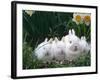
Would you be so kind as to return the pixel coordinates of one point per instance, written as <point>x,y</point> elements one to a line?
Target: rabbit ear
<point>73,32</point>
<point>63,39</point>
<point>51,40</point>
<point>69,32</point>
<point>84,38</point>
<point>56,39</point>
<point>46,39</point>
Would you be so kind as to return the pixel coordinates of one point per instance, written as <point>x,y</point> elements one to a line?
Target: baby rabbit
<point>84,45</point>
<point>60,46</point>
<point>42,51</point>
<point>73,48</point>
<point>53,50</point>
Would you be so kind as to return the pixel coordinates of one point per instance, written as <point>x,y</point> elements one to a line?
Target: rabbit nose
<point>47,54</point>
<point>76,48</point>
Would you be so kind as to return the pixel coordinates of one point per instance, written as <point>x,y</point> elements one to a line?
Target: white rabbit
<point>53,49</point>
<point>84,45</point>
<point>73,49</point>
<point>60,47</point>
<point>76,48</point>
<point>42,51</point>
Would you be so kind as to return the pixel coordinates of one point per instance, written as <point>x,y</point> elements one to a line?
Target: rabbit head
<point>71,37</point>
<point>84,45</point>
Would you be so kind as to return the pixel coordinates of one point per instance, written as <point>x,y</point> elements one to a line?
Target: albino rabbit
<point>53,49</point>
<point>59,51</point>
<point>73,49</point>
<point>42,51</point>
<point>76,48</point>
<point>84,45</point>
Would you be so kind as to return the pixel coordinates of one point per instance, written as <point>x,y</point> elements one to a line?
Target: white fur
<point>58,50</point>
<point>73,51</point>
<point>73,48</point>
<point>42,51</point>
<point>68,48</point>
<point>71,37</point>
<point>84,45</point>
